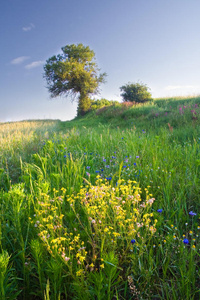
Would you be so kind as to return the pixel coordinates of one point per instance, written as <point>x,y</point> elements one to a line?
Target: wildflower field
<point>102,207</point>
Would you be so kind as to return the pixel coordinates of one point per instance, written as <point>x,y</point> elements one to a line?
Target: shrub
<point>135,92</point>
<point>99,103</point>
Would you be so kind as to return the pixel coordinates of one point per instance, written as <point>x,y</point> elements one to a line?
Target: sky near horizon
<point>156,42</point>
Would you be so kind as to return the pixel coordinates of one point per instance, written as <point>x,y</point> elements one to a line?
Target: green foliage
<point>4,259</point>
<point>8,282</point>
<point>74,72</point>
<point>135,92</point>
<point>99,103</point>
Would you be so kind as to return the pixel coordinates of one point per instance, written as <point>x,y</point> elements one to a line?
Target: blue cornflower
<point>185,241</point>
<point>97,171</point>
<point>133,241</point>
<point>104,159</point>
<point>101,170</point>
<point>124,166</point>
<point>88,167</point>
<point>122,138</point>
<point>137,156</point>
<point>109,178</point>
<point>159,210</point>
<point>65,156</point>
<point>134,164</point>
<point>191,213</point>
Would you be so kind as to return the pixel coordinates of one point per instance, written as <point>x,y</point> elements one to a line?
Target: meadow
<point>105,206</point>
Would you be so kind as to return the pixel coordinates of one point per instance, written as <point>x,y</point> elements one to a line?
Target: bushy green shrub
<point>99,103</point>
<point>135,92</point>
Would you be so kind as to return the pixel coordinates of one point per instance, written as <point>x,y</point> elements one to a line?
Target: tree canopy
<point>135,92</point>
<point>74,73</point>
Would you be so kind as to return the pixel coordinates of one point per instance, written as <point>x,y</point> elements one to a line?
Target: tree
<point>74,73</point>
<point>135,92</point>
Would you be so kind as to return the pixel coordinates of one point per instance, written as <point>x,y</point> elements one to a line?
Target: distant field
<point>102,207</point>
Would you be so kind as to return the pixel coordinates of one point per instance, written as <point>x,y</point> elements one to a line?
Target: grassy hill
<point>178,112</point>
<point>105,206</point>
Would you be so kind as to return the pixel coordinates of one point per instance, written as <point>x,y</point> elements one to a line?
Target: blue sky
<point>153,41</point>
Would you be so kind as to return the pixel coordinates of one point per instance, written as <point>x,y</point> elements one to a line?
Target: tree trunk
<point>84,103</point>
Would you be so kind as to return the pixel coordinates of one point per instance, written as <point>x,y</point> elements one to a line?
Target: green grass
<point>79,204</point>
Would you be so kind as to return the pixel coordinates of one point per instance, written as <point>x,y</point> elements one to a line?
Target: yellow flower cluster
<point>110,219</point>
<point>116,215</point>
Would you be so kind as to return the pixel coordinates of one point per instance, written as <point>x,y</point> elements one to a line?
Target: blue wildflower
<point>185,241</point>
<point>97,171</point>
<point>191,213</point>
<point>88,167</point>
<point>133,241</point>
<point>124,166</point>
<point>134,164</point>
<point>159,210</point>
<point>65,156</point>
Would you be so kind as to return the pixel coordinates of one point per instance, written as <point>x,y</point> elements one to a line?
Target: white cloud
<point>19,60</point>
<point>34,64</point>
<point>28,28</point>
